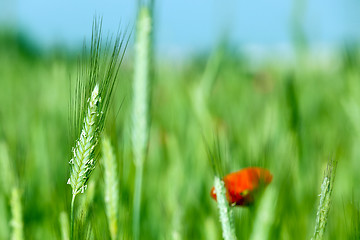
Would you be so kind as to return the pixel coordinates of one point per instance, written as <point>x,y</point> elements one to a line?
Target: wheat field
<point>151,176</point>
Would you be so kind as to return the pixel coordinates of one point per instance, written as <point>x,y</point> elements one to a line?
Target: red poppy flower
<point>242,186</point>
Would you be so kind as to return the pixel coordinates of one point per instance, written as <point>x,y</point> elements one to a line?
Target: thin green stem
<point>72,221</point>
<point>137,200</point>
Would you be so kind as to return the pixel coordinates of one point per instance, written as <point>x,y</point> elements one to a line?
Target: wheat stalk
<point>10,188</point>
<point>16,212</point>
<point>64,226</point>
<point>140,107</point>
<point>265,215</point>
<point>95,84</point>
<point>83,161</point>
<point>111,186</point>
<point>7,175</point>
<point>225,212</point>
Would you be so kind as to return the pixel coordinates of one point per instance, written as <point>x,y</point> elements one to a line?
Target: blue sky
<point>187,25</point>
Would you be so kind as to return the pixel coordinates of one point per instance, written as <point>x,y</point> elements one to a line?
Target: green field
<point>290,117</point>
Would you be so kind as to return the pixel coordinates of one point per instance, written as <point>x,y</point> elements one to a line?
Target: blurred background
<point>277,81</point>
<point>188,27</point>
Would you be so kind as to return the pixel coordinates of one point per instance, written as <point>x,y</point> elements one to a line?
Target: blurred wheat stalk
<point>265,215</point>
<point>64,226</point>
<point>111,186</point>
<point>140,107</point>
<point>10,187</point>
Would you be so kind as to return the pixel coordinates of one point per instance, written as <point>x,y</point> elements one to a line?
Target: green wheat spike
<point>325,200</point>
<point>111,186</point>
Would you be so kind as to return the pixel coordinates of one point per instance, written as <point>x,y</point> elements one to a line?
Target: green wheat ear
<point>225,212</point>
<point>325,200</point>
<point>90,104</point>
<point>111,186</point>
<point>10,187</point>
<point>83,161</point>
